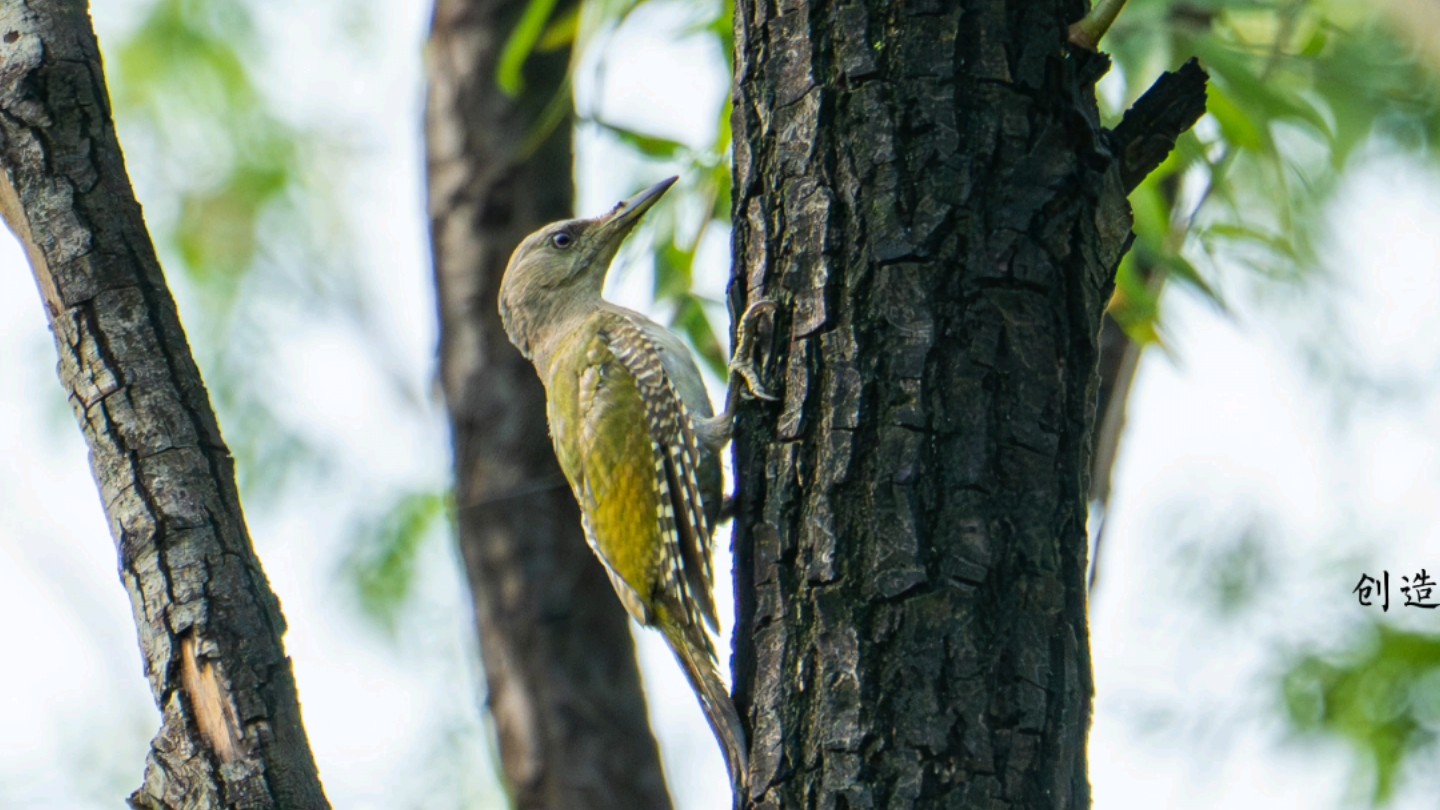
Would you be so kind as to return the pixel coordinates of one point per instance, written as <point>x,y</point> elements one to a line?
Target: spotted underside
<point>627,445</point>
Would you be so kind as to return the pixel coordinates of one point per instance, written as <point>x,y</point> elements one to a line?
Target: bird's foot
<point>741,367</point>
<point>715,431</point>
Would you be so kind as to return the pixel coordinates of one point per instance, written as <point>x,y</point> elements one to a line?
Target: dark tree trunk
<point>559,661</point>
<point>209,626</point>
<point>925,189</point>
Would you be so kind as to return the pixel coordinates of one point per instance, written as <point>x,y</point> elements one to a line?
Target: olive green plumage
<point>632,427</point>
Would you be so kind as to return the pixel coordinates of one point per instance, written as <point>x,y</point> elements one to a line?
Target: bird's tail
<point>698,658</point>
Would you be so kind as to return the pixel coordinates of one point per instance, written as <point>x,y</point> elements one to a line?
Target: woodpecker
<point>633,429</point>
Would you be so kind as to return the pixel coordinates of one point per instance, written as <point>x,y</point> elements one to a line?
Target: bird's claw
<point>746,372</point>
<point>740,365</point>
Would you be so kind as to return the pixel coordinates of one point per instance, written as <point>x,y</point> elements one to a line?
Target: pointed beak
<point>611,229</point>
<point>626,214</point>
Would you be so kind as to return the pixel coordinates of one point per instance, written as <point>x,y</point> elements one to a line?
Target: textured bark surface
<point>926,190</point>
<point>559,662</point>
<point>209,626</point>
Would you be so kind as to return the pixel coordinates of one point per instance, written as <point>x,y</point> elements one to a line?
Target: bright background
<point>1276,449</point>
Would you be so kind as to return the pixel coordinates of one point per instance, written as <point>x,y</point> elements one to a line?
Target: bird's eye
<point>561,240</point>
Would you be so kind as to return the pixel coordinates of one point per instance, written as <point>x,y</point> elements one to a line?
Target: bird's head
<point>557,272</point>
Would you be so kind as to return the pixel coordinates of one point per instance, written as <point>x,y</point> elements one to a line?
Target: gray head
<point>556,274</point>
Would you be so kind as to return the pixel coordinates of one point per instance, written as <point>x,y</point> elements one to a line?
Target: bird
<point>635,435</point>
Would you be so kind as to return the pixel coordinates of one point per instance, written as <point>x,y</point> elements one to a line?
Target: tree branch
<point>1147,133</point>
<point>209,625</point>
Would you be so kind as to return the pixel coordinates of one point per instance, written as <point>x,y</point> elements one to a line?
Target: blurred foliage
<point>1227,559</point>
<point>522,42</point>
<point>1381,693</point>
<point>182,75</point>
<point>384,556</point>
<point>237,210</point>
<point>1298,89</point>
<point>241,203</point>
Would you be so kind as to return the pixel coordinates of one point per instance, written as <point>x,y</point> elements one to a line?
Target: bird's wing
<point>597,422</point>
<point>684,524</point>
<point>685,376</point>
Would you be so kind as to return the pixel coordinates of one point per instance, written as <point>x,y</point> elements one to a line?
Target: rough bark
<point>926,191</point>
<point>209,626</point>
<point>559,661</point>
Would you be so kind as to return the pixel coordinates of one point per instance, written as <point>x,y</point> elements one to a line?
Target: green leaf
<point>1179,267</point>
<point>1377,694</point>
<point>691,321</point>
<point>1134,305</point>
<point>1316,42</point>
<point>1236,126</point>
<point>1261,97</point>
<point>651,146</point>
<point>1254,236</point>
<point>1152,211</point>
<point>723,28</point>
<point>509,74</point>
<point>674,271</point>
<point>562,32</point>
<point>720,180</point>
<point>382,566</point>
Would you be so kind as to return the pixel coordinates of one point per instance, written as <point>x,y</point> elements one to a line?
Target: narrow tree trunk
<point>559,661</point>
<point>1119,363</point>
<point>925,189</point>
<point>209,626</point>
